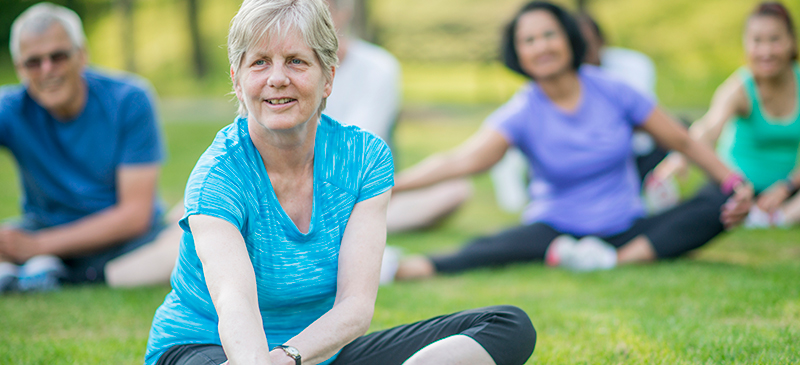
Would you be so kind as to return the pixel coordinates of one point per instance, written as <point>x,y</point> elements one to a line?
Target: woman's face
<point>281,82</point>
<point>542,45</point>
<point>768,45</point>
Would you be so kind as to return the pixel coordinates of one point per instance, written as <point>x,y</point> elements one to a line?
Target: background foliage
<point>448,48</point>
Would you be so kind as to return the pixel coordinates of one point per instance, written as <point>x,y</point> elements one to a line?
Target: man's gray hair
<point>39,18</point>
<point>258,20</point>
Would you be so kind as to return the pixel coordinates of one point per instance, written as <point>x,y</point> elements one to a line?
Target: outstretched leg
<point>152,263</point>
<point>421,208</point>
<point>518,244</point>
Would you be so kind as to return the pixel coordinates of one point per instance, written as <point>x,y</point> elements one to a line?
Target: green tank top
<point>764,149</point>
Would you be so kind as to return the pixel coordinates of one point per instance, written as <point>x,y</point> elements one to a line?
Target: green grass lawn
<point>736,301</point>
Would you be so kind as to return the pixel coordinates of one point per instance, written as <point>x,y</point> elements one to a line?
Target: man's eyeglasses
<point>56,58</point>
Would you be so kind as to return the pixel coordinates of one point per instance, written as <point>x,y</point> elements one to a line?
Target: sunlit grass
<point>735,301</point>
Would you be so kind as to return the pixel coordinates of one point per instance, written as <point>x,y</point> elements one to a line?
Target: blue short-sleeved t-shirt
<point>586,180</point>
<point>68,168</point>
<point>295,272</point>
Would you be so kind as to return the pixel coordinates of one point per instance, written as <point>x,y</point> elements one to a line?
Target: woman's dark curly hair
<point>568,23</point>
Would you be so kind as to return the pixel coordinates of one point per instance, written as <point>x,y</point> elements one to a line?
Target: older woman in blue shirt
<point>285,225</point>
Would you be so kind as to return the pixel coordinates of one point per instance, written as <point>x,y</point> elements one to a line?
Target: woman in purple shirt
<point>574,125</point>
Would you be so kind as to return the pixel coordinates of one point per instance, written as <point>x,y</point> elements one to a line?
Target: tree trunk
<point>128,48</point>
<point>198,56</point>
<point>360,25</point>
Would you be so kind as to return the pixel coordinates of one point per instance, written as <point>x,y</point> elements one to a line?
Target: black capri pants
<point>504,331</point>
<point>672,233</point>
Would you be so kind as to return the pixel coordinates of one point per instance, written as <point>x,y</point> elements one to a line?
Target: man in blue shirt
<point>89,152</point>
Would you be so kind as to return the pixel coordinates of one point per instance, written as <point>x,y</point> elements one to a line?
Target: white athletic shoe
<point>779,219</point>
<point>757,218</point>
<point>559,250</point>
<point>41,273</point>
<point>590,254</point>
<point>389,264</point>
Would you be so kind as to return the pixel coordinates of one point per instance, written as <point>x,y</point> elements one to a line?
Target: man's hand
<point>18,245</point>
<point>735,210</point>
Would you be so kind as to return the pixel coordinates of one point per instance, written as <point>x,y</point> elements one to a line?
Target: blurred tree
<point>125,7</point>
<point>11,9</point>
<point>199,58</point>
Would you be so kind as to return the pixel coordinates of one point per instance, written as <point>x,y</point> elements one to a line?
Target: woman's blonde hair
<point>263,19</point>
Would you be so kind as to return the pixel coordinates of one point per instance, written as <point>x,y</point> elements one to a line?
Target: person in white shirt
<point>368,94</point>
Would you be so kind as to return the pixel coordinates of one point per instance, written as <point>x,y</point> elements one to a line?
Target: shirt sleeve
<point>636,105</point>
<point>214,192</point>
<point>509,119</point>
<point>141,140</point>
<point>379,103</point>
<point>378,173</point>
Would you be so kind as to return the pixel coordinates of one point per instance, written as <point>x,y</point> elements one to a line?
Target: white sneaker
<point>779,219</point>
<point>560,249</point>
<point>591,254</point>
<point>757,218</point>
<point>41,273</point>
<point>389,264</point>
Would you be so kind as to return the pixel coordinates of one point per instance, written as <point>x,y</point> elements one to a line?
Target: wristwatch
<point>291,352</point>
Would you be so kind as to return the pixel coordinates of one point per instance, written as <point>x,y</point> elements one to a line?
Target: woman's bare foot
<point>415,267</point>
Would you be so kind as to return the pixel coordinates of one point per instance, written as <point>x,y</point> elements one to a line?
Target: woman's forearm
<point>357,284</point>
<point>232,285</point>
<point>702,155</point>
<point>242,335</point>
<point>346,321</point>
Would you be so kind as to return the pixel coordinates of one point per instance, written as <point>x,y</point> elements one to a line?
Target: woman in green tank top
<point>754,118</point>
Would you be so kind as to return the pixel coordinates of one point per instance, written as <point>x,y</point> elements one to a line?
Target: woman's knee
<point>509,336</point>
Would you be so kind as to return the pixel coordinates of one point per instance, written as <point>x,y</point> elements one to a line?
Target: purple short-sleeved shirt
<point>586,180</point>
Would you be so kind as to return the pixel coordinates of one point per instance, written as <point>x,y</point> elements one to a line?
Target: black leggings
<point>504,331</point>
<point>672,233</point>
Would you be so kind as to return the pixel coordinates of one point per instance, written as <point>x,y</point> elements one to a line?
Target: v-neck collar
<point>292,231</point>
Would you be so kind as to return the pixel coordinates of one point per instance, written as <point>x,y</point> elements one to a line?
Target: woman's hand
<point>735,210</point>
<point>772,198</point>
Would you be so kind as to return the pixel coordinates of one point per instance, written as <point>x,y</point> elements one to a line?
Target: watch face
<point>292,351</point>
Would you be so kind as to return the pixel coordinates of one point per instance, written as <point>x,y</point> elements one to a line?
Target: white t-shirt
<point>366,89</point>
<point>632,67</point>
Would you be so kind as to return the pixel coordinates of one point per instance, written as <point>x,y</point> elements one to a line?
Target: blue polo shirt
<point>68,168</point>
<point>295,272</point>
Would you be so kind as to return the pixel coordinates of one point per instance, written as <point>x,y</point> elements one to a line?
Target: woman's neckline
<point>567,87</point>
